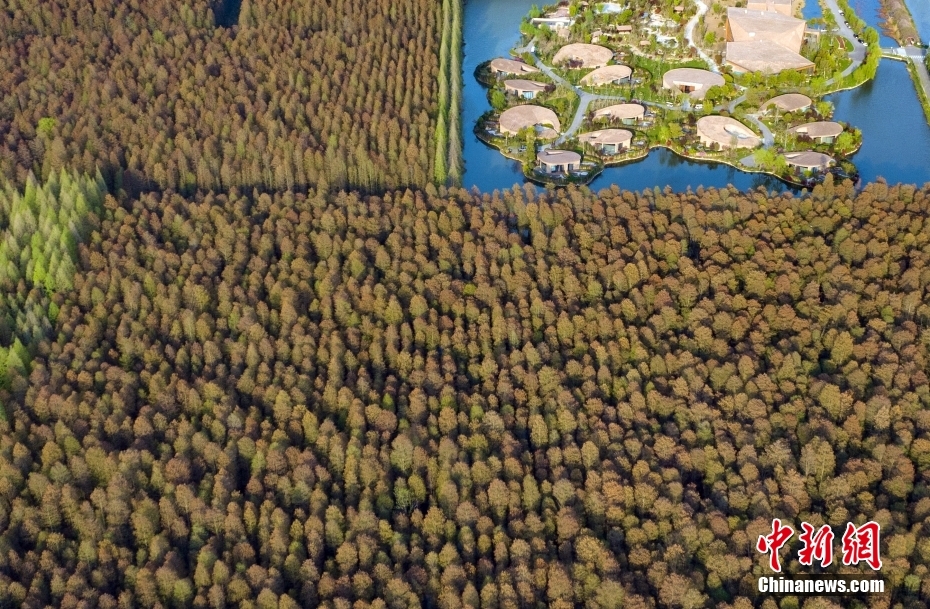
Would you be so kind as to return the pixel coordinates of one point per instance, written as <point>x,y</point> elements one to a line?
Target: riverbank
<point>899,23</point>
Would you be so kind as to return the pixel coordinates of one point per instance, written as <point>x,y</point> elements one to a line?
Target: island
<point>740,83</point>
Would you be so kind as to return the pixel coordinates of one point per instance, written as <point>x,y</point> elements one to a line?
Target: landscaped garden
<point>580,59</point>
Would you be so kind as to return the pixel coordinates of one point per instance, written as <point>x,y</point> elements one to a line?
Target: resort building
<point>501,67</point>
<point>789,102</point>
<point>822,132</point>
<point>693,81</point>
<point>555,20</point>
<point>772,6</point>
<point>764,56</point>
<point>628,114</point>
<point>608,75</point>
<point>579,55</point>
<point>725,132</point>
<point>558,161</point>
<point>764,41</point>
<point>527,89</point>
<point>520,117</point>
<point>608,141</point>
<point>809,160</point>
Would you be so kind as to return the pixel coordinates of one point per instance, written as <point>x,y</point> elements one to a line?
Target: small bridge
<point>908,52</point>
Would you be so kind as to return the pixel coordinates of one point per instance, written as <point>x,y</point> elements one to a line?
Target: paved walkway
<point>689,36</point>
<point>923,76</point>
<point>585,99</point>
<point>858,53</point>
<point>767,138</point>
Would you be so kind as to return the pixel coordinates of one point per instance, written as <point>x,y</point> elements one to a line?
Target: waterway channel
<point>896,136</point>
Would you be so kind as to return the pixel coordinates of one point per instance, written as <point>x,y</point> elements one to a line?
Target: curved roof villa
<point>693,81</point>
<point>821,131</point>
<point>520,117</point>
<point>789,102</point>
<point>726,133</point>
<point>621,112</point>
<point>607,75</point>
<point>809,160</point>
<point>610,141</point>
<point>558,161</point>
<point>526,88</point>
<point>510,66</point>
<point>580,55</point>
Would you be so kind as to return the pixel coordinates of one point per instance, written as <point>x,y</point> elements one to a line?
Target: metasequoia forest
<point>458,400</point>
<point>257,350</point>
<point>157,94</point>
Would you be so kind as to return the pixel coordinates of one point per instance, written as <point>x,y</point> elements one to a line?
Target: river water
<point>920,11</point>
<point>896,136</point>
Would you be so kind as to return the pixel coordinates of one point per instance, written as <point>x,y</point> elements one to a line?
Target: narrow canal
<point>896,136</point>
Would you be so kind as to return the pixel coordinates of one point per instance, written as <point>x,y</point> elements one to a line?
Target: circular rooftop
<point>606,136</point>
<point>818,129</point>
<point>809,159</point>
<point>520,117</point>
<point>588,55</point>
<point>607,74</point>
<point>511,66</point>
<point>693,81</point>
<point>789,102</point>
<point>726,132</point>
<point>519,84</point>
<point>621,112</point>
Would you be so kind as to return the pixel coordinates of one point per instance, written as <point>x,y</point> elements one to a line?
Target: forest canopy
<point>462,400</point>
<point>156,94</point>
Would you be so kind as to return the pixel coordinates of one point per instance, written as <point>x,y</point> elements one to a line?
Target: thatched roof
<point>520,117</point>
<point>588,55</point>
<point>818,129</point>
<point>789,102</point>
<point>726,132</point>
<point>605,75</point>
<point>698,80</point>
<point>606,136</point>
<point>509,66</point>
<point>764,56</point>
<point>621,111</point>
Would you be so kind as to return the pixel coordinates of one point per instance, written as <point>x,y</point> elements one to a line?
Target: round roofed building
<point>558,161</point>
<point>501,66</point>
<point>693,81</point>
<point>627,114</point>
<point>789,102</point>
<point>822,132</point>
<point>607,75</point>
<point>809,160</point>
<point>579,55</point>
<point>520,117</point>
<point>726,132</point>
<point>527,89</point>
<point>607,141</point>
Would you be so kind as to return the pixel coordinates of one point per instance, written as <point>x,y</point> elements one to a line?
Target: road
<point>584,97</point>
<point>689,36</point>
<point>858,53</point>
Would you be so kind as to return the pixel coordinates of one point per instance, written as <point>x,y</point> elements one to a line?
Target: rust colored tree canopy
<point>297,94</point>
<point>455,400</point>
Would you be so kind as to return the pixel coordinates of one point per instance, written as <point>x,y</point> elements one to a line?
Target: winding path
<point>689,36</point>
<point>584,97</point>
